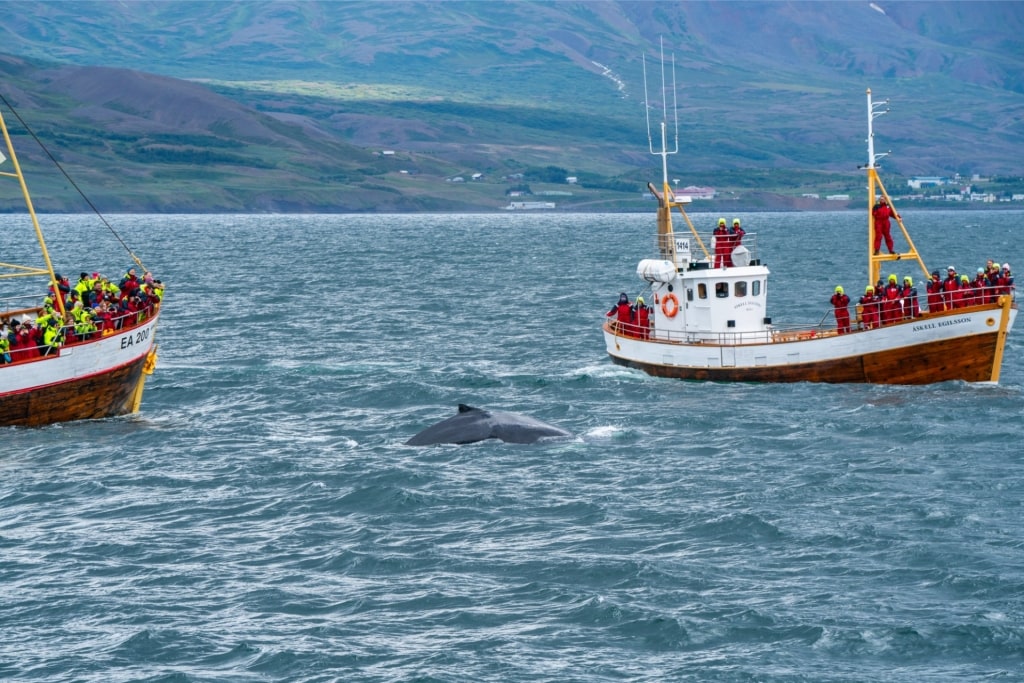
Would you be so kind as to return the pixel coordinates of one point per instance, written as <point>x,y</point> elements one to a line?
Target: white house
<point>926,181</point>
<point>696,192</point>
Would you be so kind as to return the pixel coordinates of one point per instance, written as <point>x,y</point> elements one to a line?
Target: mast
<point>27,270</point>
<point>667,198</point>
<point>875,261</point>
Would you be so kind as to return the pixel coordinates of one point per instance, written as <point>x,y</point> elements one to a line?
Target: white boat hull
<point>96,379</point>
<point>965,344</point>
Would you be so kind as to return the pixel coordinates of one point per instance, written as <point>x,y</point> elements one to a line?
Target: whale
<point>470,425</point>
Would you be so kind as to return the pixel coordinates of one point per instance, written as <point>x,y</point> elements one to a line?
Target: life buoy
<point>670,311</point>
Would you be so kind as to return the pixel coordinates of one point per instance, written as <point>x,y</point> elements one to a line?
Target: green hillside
<point>343,106</point>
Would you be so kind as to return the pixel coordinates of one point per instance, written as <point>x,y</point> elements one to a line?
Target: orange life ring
<point>665,301</point>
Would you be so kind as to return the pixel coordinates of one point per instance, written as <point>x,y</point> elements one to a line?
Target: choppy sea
<point>262,520</point>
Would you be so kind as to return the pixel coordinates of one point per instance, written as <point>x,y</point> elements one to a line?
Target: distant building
<point>388,152</point>
<point>837,197</point>
<point>571,180</point>
<point>528,206</point>
<point>696,192</point>
<point>810,195</point>
<point>926,181</point>
<point>477,176</point>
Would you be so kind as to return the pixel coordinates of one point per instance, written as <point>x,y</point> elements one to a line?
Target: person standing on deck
<point>841,303</point>
<point>991,285</point>
<point>949,287</point>
<point>882,212</point>
<point>736,234</point>
<point>934,289</point>
<point>911,308</point>
<point>623,313</point>
<point>722,248</point>
<point>1006,281</point>
<point>642,316</point>
<point>891,302</point>
<point>869,304</point>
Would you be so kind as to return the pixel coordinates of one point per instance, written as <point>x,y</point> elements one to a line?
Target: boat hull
<point>964,346</point>
<point>98,379</point>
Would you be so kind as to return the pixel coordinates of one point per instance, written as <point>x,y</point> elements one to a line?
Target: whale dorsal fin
<point>463,408</point>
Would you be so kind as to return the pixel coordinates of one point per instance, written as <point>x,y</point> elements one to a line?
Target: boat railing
<point>69,333</point>
<point>719,252</point>
<point>15,305</point>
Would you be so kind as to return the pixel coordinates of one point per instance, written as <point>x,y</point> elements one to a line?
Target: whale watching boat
<point>708,320</point>
<point>63,359</point>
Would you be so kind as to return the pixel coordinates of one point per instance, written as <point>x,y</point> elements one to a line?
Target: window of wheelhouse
<point>722,290</point>
<point>702,290</point>
<point>755,288</point>
<point>740,289</point>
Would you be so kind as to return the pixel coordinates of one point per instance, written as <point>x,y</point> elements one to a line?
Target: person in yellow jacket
<point>5,350</point>
<point>53,337</point>
<point>85,328</point>
<point>84,288</point>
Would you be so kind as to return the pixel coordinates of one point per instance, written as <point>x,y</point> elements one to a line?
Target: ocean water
<point>262,520</point>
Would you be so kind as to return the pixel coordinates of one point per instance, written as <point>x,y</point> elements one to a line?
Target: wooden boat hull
<point>964,346</point>
<point>98,379</point>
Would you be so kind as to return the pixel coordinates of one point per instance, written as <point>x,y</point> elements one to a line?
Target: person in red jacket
<point>736,234</point>
<point>841,303</point>
<point>623,313</point>
<point>882,212</point>
<point>934,289</point>
<point>951,289</point>
<point>642,318</point>
<point>911,308</point>
<point>723,245</point>
<point>870,309</point>
<point>891,311</point>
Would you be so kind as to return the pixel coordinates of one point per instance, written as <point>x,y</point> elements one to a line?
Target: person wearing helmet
<point>723,252</point>
<point>869,309</point>
<point>1006,280</point>
<point>891,309</point>
<point>950,288</point>
<point>840,304</point>
<point>911,307</point>
<point>623,313</point>
<point>881,213</point>
<point>736,234</point>
<point>934,289</point>
<point>642,318</point>
<point>963,296</point>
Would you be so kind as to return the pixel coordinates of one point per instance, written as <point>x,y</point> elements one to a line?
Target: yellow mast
<point>875,260</point>
<point>25,270</point>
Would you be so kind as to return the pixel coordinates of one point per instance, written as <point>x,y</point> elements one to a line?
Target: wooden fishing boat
<point>83,365</point>
<point>709,319</point>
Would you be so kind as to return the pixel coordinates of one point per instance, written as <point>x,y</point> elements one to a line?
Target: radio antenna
<point>664,151</point>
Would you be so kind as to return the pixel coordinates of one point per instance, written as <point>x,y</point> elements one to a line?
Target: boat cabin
<point>696,302</point>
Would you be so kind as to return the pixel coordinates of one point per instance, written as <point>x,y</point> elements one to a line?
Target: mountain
<point>377,106</point>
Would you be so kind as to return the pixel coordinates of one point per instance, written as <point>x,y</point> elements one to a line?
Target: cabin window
<point>689,294</point>
<point>722,290</point>
<point>755,288</point>
<point>702,290</point>
<point>739,289</point>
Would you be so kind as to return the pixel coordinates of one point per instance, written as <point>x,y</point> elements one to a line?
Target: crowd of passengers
<point>94,306</point>
<point>887,302</point>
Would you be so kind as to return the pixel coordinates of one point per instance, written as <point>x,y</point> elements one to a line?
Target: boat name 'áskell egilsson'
<point>708,320</point>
